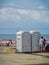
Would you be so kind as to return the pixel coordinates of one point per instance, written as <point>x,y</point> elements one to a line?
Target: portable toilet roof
<point>34,31</point>
<point>21,32</point>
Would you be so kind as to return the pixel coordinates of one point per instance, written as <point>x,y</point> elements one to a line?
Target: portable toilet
<point>23,41</point>
<point>35,36</point>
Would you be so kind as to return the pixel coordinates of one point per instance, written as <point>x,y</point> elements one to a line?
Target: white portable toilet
<point>23,41</point>
<point>35,36</point>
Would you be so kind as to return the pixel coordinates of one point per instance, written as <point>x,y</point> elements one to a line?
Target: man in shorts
<point>41,43</point>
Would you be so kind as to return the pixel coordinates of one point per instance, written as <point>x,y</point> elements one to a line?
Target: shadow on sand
<point>46,56</point>
<point>37,64</point>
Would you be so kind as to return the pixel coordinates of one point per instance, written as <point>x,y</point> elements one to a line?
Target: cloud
<point>36,15</point>
<point>8,13</point>
<point>22,11</point>
<point>41,7</point>
<point>11,4</point>
<point>19,14</point>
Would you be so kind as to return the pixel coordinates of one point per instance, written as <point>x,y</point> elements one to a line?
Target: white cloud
<point>8,13</point>
<point>17,14</point>
<point>41,7</point>
<point>11,4</point>
<point>36,15</point>
<point>22,11</point>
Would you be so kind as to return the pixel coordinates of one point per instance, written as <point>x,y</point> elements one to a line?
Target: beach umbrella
<point>1,41</point>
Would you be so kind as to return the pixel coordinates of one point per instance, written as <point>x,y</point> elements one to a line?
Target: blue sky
<point>18,15</point>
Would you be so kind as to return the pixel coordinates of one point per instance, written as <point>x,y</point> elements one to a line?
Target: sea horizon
<point>13,36</point>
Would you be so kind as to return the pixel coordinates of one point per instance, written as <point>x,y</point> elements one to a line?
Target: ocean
<point>7,37</point>
<point>46,36</point>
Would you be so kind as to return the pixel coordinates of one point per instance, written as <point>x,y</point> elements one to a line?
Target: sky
<point>16,15</point>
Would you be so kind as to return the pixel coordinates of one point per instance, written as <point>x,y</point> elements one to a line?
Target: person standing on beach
<point>10,41</point>
<point>41,43</point>
<point>47,46</point>
<point>44,44</point>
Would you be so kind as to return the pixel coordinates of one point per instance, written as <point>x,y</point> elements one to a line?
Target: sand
<point>24,59</point>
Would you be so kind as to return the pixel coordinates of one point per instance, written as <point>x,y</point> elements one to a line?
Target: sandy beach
<point>24,59</point>
<point>9,56</point>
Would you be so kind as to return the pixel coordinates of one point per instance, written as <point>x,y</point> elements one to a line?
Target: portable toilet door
<point>35,41</point>
<point>26,42</point>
